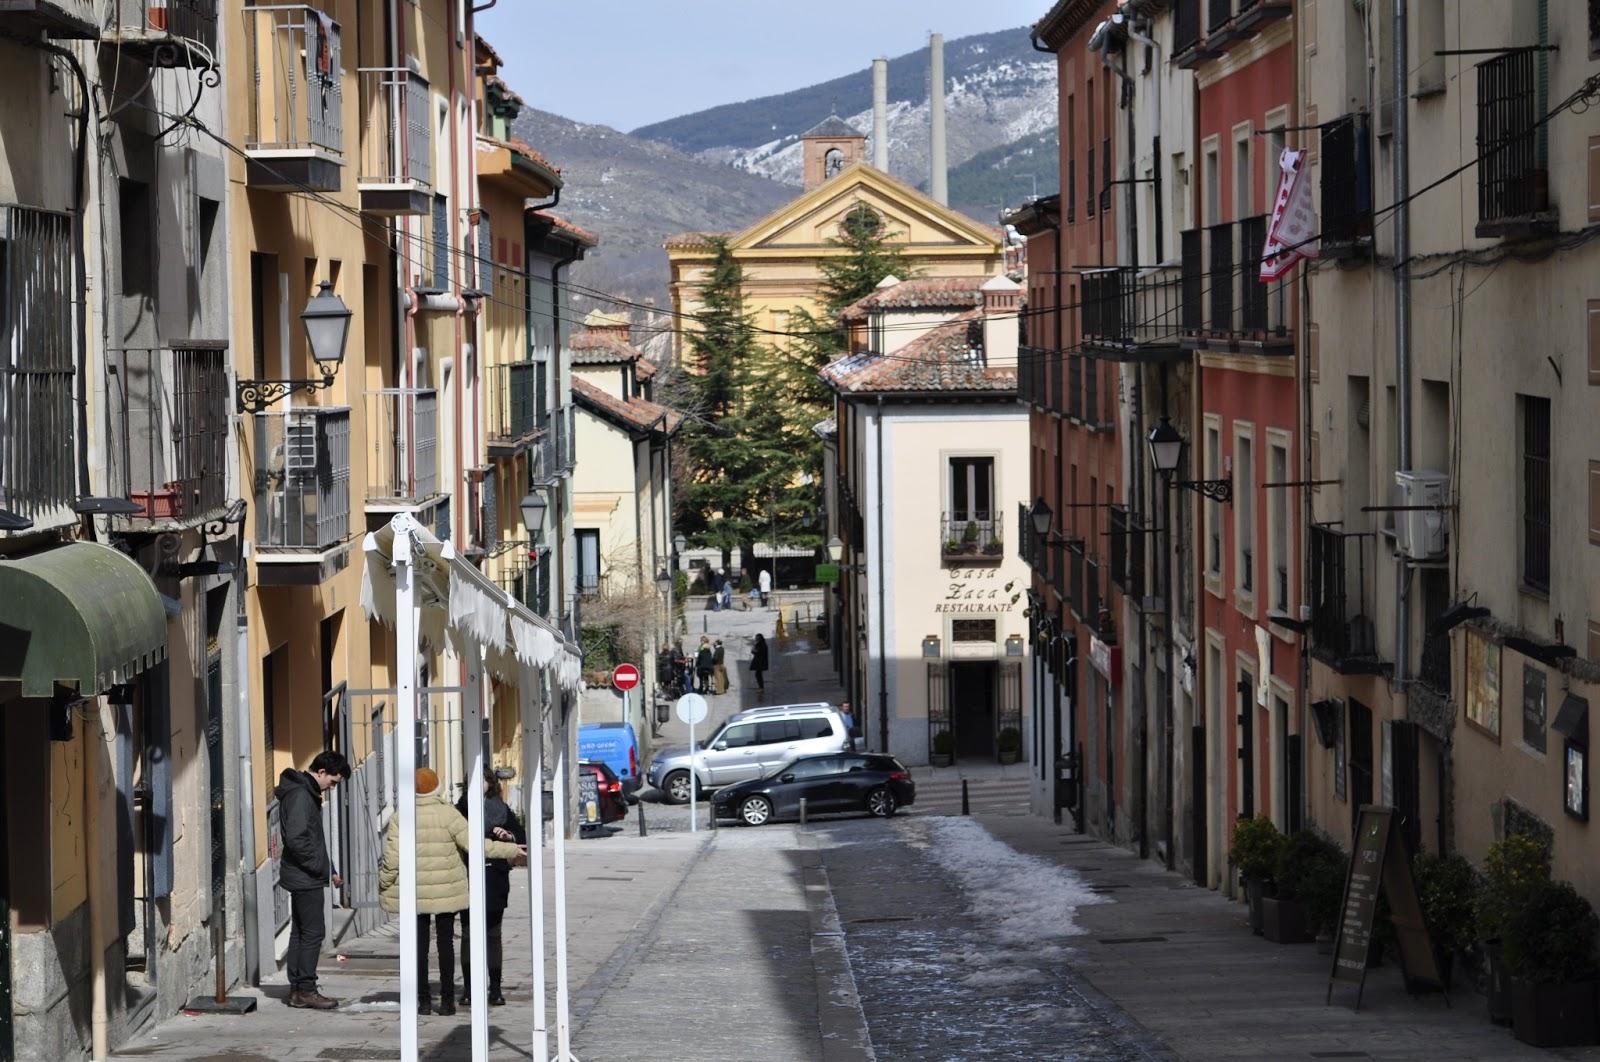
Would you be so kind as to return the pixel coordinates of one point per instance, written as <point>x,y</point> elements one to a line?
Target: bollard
<point>966,804</point>
<point>644,831</point>
<point>802,811</point>
<point>711,813</point>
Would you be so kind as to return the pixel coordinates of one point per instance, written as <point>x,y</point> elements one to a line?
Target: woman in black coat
<point>758,661</point>
<point>499,824</point>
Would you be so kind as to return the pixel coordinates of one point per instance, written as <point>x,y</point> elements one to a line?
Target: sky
<point>627,63</point>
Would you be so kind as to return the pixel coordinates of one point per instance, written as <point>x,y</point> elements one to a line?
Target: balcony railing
<point>1092,414</point>
<point>1342,632</point>
<point>1091,590</point>
<point>396,141</point>
<point>1347,186</point>
<point>1224,300</point>
<point>1027,539</point>
<point>1075,386</point>
<point>167,416</point>
<point>556,446</point>
<point>1128,308</point>
<point>1513,176</point>
<point>1074,555</point>
<point>38,403</point>
<point>513,406</point>
<point>1219,12</point>
<point>516,573</point>
<point>302,488</point>
<point>1185,26</point>
<point>403,465</point>
<point>181,32</point>
<point>971,537</point>
<point>294,118</point>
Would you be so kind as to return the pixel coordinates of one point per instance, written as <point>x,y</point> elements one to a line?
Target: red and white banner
<point>1292,233</point>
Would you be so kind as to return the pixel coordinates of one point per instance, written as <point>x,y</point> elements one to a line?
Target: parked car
<point>608,791</point>
<point>870,782</point>
<point>617,746</point>
<point>750,745</point>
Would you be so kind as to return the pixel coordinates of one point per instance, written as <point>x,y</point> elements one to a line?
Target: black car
<point>879,785</point>
<point>608,795</point>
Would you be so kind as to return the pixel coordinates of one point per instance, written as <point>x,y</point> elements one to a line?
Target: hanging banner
<point>1292,232</point>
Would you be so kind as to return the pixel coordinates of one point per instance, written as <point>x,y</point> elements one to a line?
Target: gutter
<point>883,658</point>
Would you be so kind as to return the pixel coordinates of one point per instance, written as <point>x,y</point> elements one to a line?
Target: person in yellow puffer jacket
<point>442,835</point>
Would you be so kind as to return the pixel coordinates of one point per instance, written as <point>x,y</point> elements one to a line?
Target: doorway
<point>972,700</point>
<point>1360,743</point>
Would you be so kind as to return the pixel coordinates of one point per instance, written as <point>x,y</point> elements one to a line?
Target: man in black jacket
<point>305,870</point>
<point>499,824</point>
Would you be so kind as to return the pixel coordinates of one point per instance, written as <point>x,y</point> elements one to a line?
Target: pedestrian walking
<point>719,668</point>
<point>441,882</point>
<point>306,870</point>
<point>764,581</point>
<point>499,824</point>
<point>714,584</point>
<point>849,725</point>
<point>758,661</point>
<point>703,664</point>
<point>727,590</point>
<point>684,667</point>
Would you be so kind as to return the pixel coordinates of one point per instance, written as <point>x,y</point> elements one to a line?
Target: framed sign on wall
<point>1483,684</point>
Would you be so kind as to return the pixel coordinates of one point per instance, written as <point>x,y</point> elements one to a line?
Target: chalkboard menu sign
<point>588,798</point>
<point>1379,864</point>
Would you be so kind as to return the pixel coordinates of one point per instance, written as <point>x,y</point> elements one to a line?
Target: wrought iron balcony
<point>513,396</point>
<point>60,19</point>
<point>302,479</point>
<point>403,461</point>
<point>1342,587</point>
<point>294,134</point>
<point>396,174</point>
<point>1434,669</point>
<point>1131,314</point>
<point>971,537</point>
<point>516,571</point>
<point>38,375</point>
<point>1513,176</point>
<point>1347,186</point>
<point>1092,592</point>
<point>1074,386</point>
<point>1075,565</point>
<point>1225,303</point>
<point>556,446</point>
<point>169,33</point>
<point>167,417</point>
<point>1126,560</point>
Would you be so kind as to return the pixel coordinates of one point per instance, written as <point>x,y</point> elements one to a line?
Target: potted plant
<point>952,546</point>
<point>944,749</point>
<point>969,534</point>
<point>1512,869</point>
<point>1446,886</point>
<point>1549,951</point>
<point>1008,743</point>
<point>1284,919</point>
<point>1254,854</point>
<point>1321,889</point>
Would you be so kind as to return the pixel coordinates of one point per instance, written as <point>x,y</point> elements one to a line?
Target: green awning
<point>81,615</point>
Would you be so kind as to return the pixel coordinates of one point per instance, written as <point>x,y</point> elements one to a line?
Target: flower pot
<point>1554,1015</point>
<point>1283,921</point>
<point>1325,943</point>
<point>1497,993</point>
<point>165,503</point>
<point>1009,755</point>
<point>940,759</point>
<point>1255,891</point>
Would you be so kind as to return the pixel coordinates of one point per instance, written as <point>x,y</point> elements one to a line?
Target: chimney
<point>880,114</point>
<point>938,186</point>
<point>616,325</point>
<point>1002,304</point>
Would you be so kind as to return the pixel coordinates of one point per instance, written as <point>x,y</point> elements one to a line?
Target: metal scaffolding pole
<point>532,699</point>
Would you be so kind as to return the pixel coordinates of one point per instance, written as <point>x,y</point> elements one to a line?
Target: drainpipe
<point>1155,140</point>
<point>102,738</point>
<point>1402,327</point>
<point>883,658</point>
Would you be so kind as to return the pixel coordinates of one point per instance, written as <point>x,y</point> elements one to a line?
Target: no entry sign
<point>625,677</point>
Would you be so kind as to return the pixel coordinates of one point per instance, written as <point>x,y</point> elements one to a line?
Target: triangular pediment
<point>912,218</point>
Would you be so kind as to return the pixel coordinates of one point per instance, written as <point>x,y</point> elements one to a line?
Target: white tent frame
<point>435,598</point>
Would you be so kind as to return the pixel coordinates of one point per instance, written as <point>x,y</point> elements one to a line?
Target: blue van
<point>617,746</point>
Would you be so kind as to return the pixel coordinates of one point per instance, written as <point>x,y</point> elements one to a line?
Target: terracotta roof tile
<point>561,224</point>
<point>636,413</point>
<point>602,348</point>
<point>940,360</point>
<point>645,369</point>
<point>922,293</point>
<point>692,239</point>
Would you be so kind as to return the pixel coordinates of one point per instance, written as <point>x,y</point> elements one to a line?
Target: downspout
<point>1155,140</point>
<point>1402,328</point>
<point>465,373</point>
<point>556,347</point>
<point>883,658</point>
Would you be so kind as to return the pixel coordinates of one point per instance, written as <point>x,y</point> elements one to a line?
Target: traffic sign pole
<point>692,708</point>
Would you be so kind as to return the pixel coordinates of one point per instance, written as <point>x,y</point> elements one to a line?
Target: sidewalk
<point>1181,961</point>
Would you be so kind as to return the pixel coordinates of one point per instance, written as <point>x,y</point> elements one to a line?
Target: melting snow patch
<point>1028,898</point>
<point>1000,978</point>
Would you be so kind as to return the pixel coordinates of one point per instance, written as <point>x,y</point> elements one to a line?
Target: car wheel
<point>675,788</point>
<point>881,802</point>
<point>755,811</point>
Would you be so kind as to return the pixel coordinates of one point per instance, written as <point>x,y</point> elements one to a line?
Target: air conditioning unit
<point>1423,533</point>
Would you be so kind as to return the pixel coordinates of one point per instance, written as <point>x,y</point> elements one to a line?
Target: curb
<point>840,1019</point>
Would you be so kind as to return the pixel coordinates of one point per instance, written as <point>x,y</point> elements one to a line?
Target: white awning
<point>458,602</point>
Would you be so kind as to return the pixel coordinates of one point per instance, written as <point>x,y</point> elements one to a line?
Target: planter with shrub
<point>944,749</point>
<point>1254,854</point>
<point>1447,888</point>
<point>1513,869</point>
<point>1286,918</point>
<point>1008,745</point>
<point>1549,949</point>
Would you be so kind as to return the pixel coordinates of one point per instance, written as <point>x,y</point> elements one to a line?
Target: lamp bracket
<point>253,396</point>
<point>1220,490</point>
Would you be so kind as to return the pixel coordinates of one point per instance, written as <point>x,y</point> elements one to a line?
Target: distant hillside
<point>1007,175</point>
<point>634,193</point>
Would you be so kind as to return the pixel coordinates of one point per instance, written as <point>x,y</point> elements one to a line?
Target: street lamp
<point>835,549</point>
<point>534,506</point>
<point>679,542</point>
<point>1166,453</point>
<point>663,581</point>
<point>327,323</point>
<point>1041,516</point>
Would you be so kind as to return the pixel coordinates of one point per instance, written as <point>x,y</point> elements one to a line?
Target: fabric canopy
<point>460,603</point>
<point>80,614</point>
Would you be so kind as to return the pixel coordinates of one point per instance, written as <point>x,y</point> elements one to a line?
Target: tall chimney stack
<point>938,184</point>
<point>880,114</point>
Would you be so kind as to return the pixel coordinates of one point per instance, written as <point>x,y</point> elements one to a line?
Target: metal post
<point>563,1013</point>
<point>802,811</point>
<point>644,831</point>
<point>966,803</point>
<point>532,701</point>
<point>694,782</point>
<point>477,898</point>
<point>1402,322</point>
<point>405,635</point>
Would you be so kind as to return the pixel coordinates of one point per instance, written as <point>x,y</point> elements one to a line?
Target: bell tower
<point>830,146</point>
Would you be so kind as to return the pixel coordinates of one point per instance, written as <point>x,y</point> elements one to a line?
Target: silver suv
<point>749,745</point>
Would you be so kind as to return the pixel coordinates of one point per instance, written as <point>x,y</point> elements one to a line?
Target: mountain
<point>1007,174</point>
<point>634,193</point>
<point>1000,106</point>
